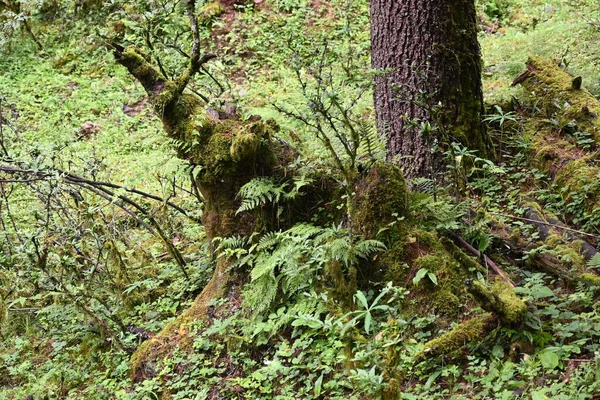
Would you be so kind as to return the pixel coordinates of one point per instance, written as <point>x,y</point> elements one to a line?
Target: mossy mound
<point>558,91</point>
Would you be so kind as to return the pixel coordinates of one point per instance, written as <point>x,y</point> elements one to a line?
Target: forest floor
<point>110,281</point>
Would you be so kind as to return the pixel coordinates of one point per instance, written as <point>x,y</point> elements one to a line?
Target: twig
<point>487,260</point>
<point>546,223</point>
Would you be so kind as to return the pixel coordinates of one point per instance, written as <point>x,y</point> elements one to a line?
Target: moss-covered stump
<point>557,90</point>
<point>228,153</point>
<point>379,210</point>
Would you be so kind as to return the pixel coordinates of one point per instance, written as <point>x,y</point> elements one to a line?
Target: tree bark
<point>430,61</point>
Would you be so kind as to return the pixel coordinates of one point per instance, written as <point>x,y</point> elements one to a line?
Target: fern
<point>370,145</point>
<point>262,191</point>
<point>268,241</point>
<point>423,185</point>
<point>594,262</point>
<point>290,261</point>
<point>258,192</point>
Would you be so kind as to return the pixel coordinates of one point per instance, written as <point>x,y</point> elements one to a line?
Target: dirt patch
<point>131,110</point>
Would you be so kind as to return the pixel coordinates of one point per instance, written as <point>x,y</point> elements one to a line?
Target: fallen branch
<point>462,242</point>
<point>554,225</point>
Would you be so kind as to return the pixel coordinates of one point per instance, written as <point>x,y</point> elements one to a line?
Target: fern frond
<point>261,293</point>
<point>365,248</point>
<point>422,185</point>
<point>594,262</point>
<point>258,192</point>
<point>269,240</point>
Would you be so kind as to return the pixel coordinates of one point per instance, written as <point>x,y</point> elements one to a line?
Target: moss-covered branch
<point>453,341</point>
<point>500,299</point>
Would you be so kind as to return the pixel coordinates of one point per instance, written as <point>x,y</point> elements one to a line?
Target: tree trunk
<point>431,73</point>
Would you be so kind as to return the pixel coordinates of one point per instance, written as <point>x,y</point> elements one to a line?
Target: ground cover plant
<point>195,203</point>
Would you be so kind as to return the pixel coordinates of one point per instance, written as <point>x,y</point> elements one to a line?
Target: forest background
<point>488,287</point>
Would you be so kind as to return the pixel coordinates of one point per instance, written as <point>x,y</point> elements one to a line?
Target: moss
<point>453,341</point>
<point>467,263</point>
<point>380,201</point>
<point>554,87</point>
<point>450,294</point>
<point>392,390</point>
<point>244,146</point>
<point>501,299</point>
<point>446,302</point>
<point>209,12</point>
<point>137,62</point>
<point>378,210</point>
<point>590,279</point>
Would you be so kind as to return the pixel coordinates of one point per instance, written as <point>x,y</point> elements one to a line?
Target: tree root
<point>176,334</point>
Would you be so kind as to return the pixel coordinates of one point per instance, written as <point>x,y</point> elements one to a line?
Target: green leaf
<point>420,275</point>
<point>539,395</point>
<point>542,291</point>
<point>432,277</point>
<point>498,352</point>
<point>362,299</point>
<point>318,385</point>
<point>368,322</point>
<point>549,358</point>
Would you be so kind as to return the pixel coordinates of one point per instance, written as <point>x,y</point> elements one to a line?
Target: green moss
<point>467,263</point>
<point>590,279</point>
<point>501,299</point>
<point>513,308</point>
<point>378,210</point>
<point>209,12</point>
<point>453,341</point>
<point>450,294</point>
<point>446,302</point>
<point>554,87</point>
<point>380,201</point>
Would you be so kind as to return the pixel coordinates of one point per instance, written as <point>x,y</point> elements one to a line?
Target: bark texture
<point>428,54</point>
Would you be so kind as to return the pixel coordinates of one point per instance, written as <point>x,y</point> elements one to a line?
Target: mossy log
<point>504,308</point>
<point>568,252</point>
<point>452,342</point>
<point>500,299</point>
<point>557,90</point>
<point>553,231</point>
<point>568,109</point>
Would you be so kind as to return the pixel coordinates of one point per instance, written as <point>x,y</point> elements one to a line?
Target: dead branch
<point>462,242</point>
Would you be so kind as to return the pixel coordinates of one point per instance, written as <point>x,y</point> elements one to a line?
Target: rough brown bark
<point>431,54</point>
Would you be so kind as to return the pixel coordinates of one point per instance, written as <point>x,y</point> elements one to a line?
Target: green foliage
<point>261,191</point>
<point>67,326</point>
<point>292,261</point>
